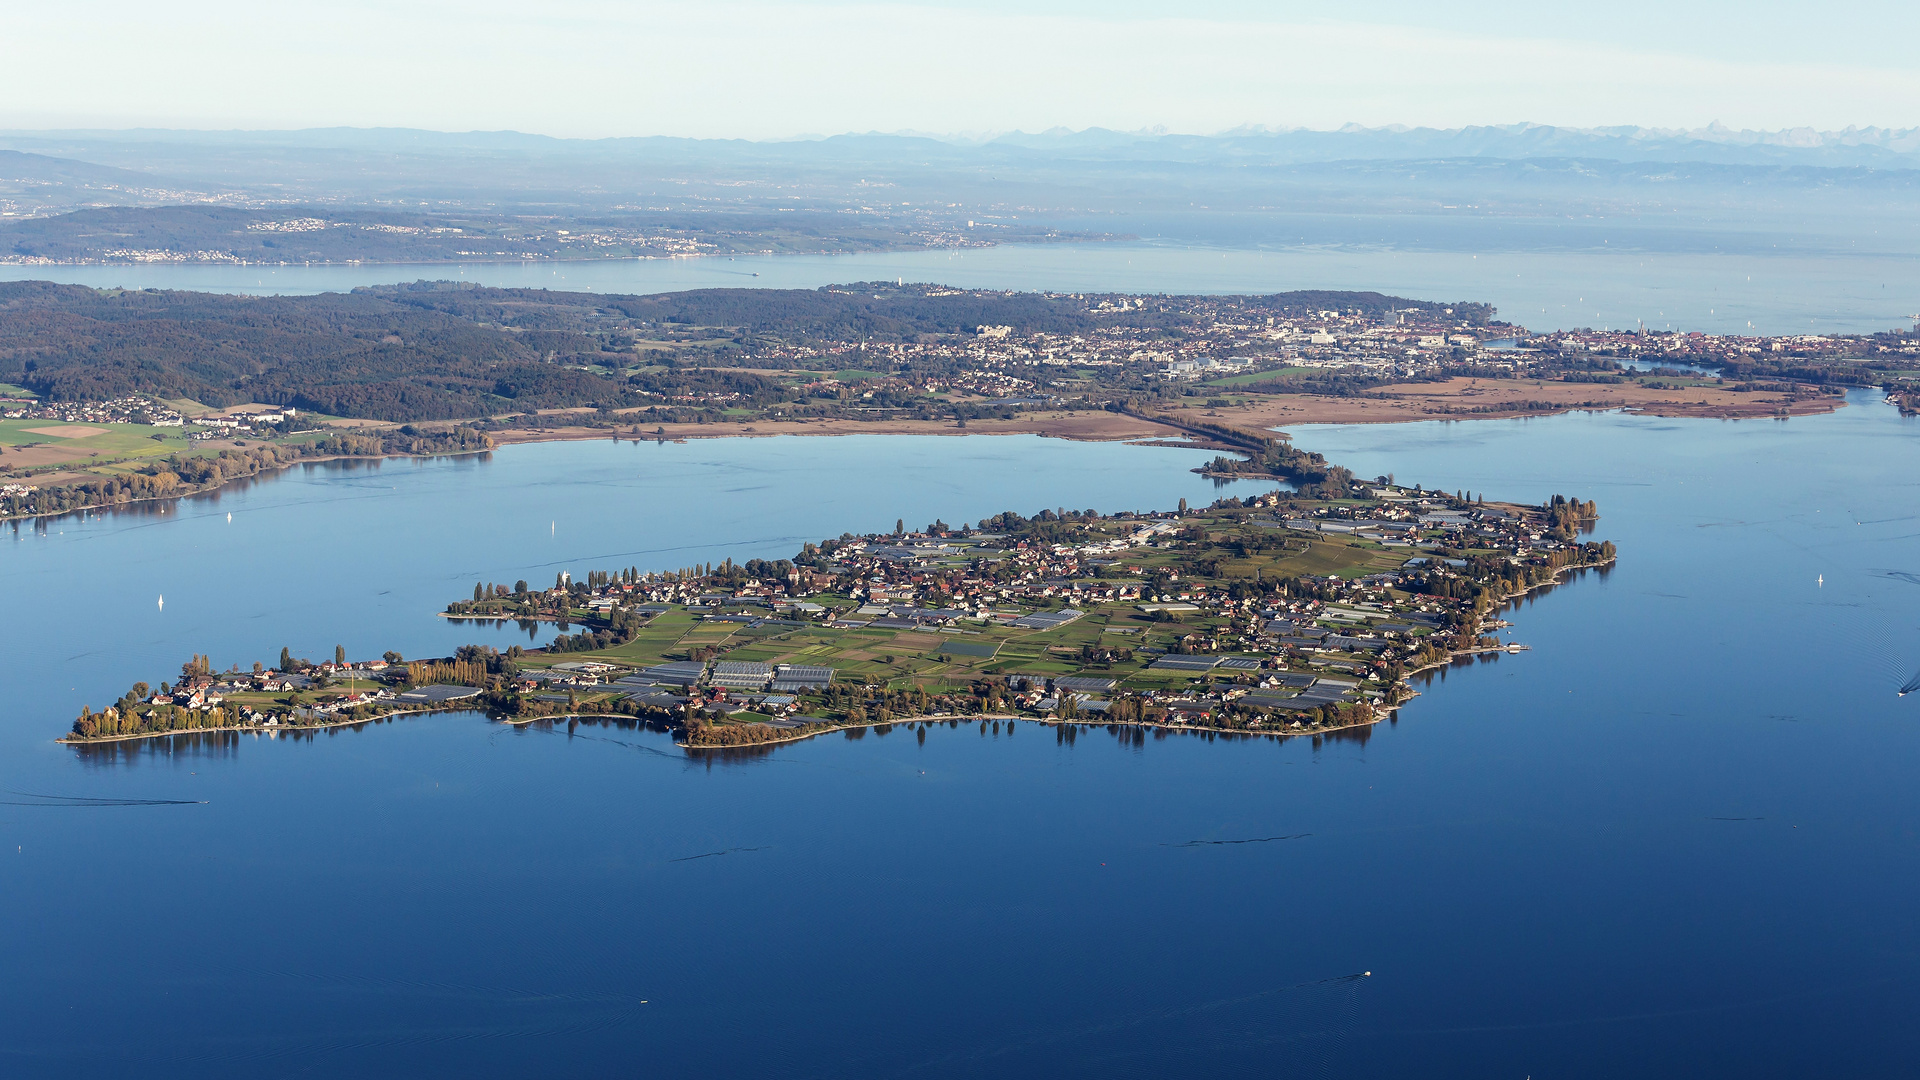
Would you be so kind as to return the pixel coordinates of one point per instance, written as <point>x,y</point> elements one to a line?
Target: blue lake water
<point>1740,290</point>
<point>1679,837</point>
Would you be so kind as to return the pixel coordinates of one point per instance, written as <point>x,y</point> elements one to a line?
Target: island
<point>1306,610</point>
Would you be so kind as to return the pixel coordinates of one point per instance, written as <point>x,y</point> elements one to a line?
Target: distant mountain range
<point>1833,190</point>
<point>1871,146</point>
<point>1853,146</point>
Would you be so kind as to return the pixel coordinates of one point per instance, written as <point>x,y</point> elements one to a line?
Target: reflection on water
<point>529,627</point>
<point>1669,367</point>
<point>187,745</point>
<point>212,745</point>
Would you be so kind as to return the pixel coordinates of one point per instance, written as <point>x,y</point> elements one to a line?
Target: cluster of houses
<point>1222,337</point>
<point>1339,642</point>
<point>141,410</point>
<point>922,581</point>
<point>1696,347</point>
<point>735,686</point>
<point>211,690</point>
<point>1288,697</point>
<point>1219,336</point>
<point>240,422</point>
<point>120,410</point>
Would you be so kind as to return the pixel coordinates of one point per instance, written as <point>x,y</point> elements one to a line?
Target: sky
<point>583,68</point>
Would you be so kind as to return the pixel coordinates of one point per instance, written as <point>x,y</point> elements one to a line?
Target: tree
<point>391,657</point>
<point>340,655</point>
<point>520,586</point>
<point>476,591</point>
<point>1183,506</point>
<point>900,526</point>
<point>286,659</point>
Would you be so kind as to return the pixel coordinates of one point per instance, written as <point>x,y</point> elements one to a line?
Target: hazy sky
<point>758,70</point>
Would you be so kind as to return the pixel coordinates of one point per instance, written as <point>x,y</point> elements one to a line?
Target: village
<point>1215,336</point>
<point>129,409</point>
<point>1274,613</point>
<point>1167,348</point>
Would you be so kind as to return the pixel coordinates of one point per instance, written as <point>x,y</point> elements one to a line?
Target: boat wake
<point>28,798</point>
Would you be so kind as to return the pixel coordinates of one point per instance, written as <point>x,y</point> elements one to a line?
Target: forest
<point>354,355</point>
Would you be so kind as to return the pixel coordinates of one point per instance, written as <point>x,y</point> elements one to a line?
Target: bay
<point>1675,838</point>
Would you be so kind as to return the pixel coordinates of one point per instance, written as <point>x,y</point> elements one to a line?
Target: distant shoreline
<point>888,249</point>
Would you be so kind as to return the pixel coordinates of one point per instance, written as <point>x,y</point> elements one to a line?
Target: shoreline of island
<point>253,729</point>
<point>1327,652</point>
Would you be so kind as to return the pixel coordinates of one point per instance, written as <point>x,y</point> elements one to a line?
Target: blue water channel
<point>1678,837</point>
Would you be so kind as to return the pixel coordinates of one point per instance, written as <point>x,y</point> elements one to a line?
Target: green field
<point>1256,377</point>
<point>117,441</point>
<point>1322,556</point>
<point>902,659</point>
<point>984,649</point>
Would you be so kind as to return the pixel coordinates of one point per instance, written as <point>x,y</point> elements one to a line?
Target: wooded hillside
<point>444,350</point>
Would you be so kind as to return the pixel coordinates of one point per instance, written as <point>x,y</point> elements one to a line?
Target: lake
<point>1738,290</point>
<point>1675,838</point>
